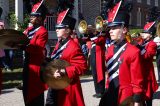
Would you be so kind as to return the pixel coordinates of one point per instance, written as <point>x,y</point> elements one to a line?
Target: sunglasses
<point>60,27</point>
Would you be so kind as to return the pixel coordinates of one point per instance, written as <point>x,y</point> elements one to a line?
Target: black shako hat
<point>39,9</point>
<point>119,13</point>
<point>65,21</point>
<point>152,18</point>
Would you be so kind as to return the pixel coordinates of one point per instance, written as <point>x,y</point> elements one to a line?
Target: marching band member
<point>33,87</point>
<point>67,49</point>
<point>97,62</point>
<point>157,41</point>
<point>148,51</point>
<point>123,61</point>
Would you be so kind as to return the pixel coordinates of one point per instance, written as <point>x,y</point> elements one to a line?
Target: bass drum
<point>48,71</point>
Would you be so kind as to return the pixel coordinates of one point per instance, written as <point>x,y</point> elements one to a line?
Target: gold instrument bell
<point>99,23</point>
<point>82,27</point>
<point>158,29</point>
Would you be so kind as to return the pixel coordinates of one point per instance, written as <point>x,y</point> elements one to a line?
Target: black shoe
<point>98,95</point>
<point>20,86</point>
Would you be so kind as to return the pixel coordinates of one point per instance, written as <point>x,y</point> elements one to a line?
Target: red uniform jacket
<point>35,50</point>
<point>100,57</point>
<point>72,95</point>
<point>130,72</point>
<point>150,83</point>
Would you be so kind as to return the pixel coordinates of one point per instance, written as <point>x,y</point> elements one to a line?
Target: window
<point>50,23</point>
<point>139,17</point>
<point>148,2</point>
<point>156,3</point>
<point>139,1</point>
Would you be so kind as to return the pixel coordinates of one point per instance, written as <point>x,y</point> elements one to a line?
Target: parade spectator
<point>2,54</point>
<point>122,60</point>
<point>67,49</point>
<point>8,59</point>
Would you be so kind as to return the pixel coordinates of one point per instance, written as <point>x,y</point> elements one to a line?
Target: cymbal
<point>10,37</point>
<point>50,68</point>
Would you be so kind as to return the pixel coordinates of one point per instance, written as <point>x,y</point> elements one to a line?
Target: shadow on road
<point>6,91</point>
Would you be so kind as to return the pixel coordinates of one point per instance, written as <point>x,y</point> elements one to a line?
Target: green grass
<point>11,79</point>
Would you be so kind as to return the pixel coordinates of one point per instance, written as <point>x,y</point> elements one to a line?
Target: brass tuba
<point>82,27</point>
<point>158,29</point>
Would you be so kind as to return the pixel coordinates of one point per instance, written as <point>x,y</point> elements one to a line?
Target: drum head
<point>10,37</point>
<point>50,68</point>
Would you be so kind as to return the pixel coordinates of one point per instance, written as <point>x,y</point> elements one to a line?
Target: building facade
<point>84,9</point>
<point>92,8</point>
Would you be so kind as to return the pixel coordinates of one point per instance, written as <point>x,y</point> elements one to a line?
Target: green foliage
<point>13,20</point>
<point>23,26</point>
<point>136,30</point>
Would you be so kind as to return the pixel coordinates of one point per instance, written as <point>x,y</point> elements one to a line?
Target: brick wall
<point>91,9</point>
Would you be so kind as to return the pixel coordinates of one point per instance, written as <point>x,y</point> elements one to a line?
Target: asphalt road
<point>13,97</point>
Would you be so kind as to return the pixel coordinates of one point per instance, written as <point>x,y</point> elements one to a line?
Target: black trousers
<point>51,97</point>
<point>38,101</point>
<point>99,87</point>
<point>110,97</point>
<point>158,65</point>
